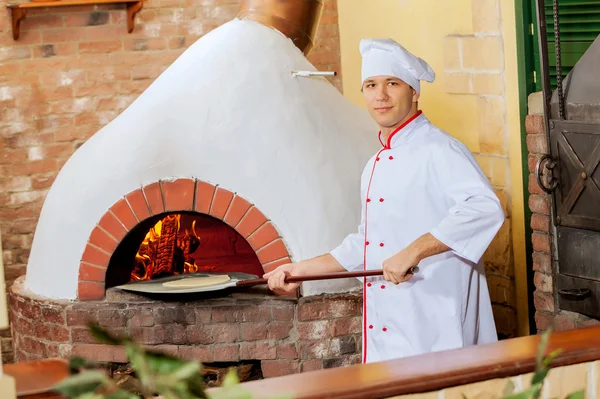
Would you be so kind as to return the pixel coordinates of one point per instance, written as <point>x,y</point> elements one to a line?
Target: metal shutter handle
<point>576,294</point>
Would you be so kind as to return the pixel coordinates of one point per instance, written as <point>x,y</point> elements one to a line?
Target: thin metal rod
<point>544,62</point>
<point>546,88</point>
<point>557,52</point>
<point>314,73</point>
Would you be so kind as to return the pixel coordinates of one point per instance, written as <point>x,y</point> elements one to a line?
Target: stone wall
<point>474,66</point>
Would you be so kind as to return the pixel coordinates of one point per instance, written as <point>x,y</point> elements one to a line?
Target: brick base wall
<point>547,312</point>
<point>287,335</point>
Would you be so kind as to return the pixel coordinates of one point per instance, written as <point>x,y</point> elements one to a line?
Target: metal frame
<point>526,66</point>
<point>567,158</point>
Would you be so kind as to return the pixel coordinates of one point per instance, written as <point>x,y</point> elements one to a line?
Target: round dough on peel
<point>195,282</point>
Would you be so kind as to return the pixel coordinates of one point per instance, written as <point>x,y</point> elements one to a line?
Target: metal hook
<point>550,164</point>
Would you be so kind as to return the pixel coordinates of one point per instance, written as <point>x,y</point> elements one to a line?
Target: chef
<point>425,203</point>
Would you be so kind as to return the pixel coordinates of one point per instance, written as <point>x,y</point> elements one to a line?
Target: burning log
<point>166,250</point>
<point>167,242</point>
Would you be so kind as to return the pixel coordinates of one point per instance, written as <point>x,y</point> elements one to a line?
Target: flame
<point>166,250</point>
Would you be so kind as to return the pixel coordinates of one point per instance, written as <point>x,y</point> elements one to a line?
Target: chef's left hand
<point>397,269</point>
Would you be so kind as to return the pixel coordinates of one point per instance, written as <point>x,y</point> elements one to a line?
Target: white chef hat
<point>385,57</point>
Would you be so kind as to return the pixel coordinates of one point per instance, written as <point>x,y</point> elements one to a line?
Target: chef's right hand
<point>276,278</point>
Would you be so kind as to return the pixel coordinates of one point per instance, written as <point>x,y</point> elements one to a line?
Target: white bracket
<point>313,73</point>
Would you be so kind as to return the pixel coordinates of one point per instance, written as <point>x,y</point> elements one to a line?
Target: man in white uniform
<point>425,202</point>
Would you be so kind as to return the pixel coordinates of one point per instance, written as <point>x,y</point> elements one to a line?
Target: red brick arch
<point>175,196</point>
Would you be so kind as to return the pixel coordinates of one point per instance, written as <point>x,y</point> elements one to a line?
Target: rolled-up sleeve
<point>475,214</point>
<point>350,253</point>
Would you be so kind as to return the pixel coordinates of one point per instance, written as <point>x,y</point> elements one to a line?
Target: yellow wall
<point>471,45</point>
<point>420,26</point>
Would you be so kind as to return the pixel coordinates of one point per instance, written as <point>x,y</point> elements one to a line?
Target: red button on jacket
<point>369,284</point>
<point>384,329</point>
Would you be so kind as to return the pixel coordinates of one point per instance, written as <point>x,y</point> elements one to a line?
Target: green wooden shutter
<point>579,27</point>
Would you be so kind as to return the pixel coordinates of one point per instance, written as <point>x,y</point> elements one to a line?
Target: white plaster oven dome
<point>229,112</point>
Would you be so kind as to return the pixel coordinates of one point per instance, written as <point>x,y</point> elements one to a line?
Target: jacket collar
<point>402,132</point>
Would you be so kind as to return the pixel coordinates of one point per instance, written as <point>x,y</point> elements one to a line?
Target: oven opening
<point>178,243</point>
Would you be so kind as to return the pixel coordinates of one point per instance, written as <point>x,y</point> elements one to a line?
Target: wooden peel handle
<point>325,276</point>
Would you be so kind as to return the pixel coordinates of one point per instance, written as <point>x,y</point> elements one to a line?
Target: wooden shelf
<point>19,10</point>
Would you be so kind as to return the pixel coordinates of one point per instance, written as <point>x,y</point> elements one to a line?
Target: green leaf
<point>186,371</point>
<point>545,338</point>
<point>230,388</point>
<point>182,391</point>
<point>103,336</point>
<point>163,363</point>
<point>231,378</point>
<point>232,392</point>
<point>78,363</point>
<point>122,394</point>
<point>169,394</point>
<point>79,384</point>
<point>551,357</point>
<point>539,376</point>
<point>91,395</point>
<point>531,392</point>
<point>576,395</point>
<point>196,387</point>
<point>139,362</point>
<point>542,371</point>
<point>509,388</point>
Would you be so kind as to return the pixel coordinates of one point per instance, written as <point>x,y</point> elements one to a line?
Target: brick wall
<point>286,335</point>
<point>73,70</point>
<point>474,66</point>
<point>547,312</point>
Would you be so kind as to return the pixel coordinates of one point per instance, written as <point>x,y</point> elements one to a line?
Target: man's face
<point>388,99</point>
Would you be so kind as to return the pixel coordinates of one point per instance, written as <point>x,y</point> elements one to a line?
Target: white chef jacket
<point>424,180</point>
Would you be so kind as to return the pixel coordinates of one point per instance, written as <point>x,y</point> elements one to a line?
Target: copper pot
<point>296,19</point>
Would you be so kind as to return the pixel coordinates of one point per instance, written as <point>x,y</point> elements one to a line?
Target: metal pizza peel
<point>236,280</point>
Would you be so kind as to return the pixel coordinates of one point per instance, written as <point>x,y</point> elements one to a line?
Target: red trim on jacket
<point>389,139</point>
<point>365,260</point>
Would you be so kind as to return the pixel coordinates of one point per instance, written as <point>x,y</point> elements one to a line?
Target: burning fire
<point>166,250</point>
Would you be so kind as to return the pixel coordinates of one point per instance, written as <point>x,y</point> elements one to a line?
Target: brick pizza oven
<point>227,162</point>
